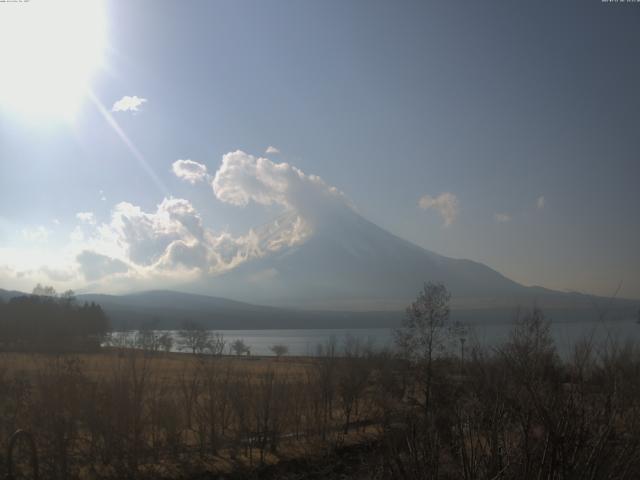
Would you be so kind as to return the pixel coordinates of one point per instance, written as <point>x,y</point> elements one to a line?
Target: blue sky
<point>495,103</point>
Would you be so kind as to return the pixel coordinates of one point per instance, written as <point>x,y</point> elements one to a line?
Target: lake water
<point>305,342</point>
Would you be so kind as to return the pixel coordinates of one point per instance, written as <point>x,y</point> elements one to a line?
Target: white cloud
<point>171,241</point>
<point>86,217</point>
<point>24,266</point>
<point>36,234</point>
<point>95,266</point>
<point>102,196</point>
<point>502,217</point>
<point>540,202</point>
<point>128,104</point>
<point>145,237</point>
<point>169,244</point>
<point>190,171</point>
<point>58,275</point>
<point>272,150</point>
<point>446,204</point>
<point>6,272</point>
<point>243,178</point>
<point>77,235</point>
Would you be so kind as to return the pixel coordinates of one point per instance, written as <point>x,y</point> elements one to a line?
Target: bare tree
<point>165,342</point>
<point>239,347</point>
<point>279,350</point>
<point>215,343</point>
<point>353,376</point>
<point>44,291</point>
<point>147,338</point>
<point>325,381</point>
<point>423,332</point>
<point>194,337</point>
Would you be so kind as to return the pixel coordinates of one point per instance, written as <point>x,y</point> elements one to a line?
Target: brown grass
<point>157,415</point>
<point>166,365</point>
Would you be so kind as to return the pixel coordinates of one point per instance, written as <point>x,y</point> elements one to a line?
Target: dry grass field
<point>168,366</point>
<point>125,413</point>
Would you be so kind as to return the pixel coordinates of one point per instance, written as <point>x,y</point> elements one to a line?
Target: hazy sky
<point>503,132</point>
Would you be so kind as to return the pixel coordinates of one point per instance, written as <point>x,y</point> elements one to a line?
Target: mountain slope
<point>351,263</point>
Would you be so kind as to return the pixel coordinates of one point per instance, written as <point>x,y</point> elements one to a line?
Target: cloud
<point>23,266</point>
<point>171,241</point>
<point>502,217</point>
<point>6,272</point>
<point>36,234</point>
<point>58,275</point>
<point>446,204</point>
<point>540,202</point>
<point>128,104</point>
<point>95,266</point>
<point>145,237</point>
<point>189,255</point>
<point>272,150</point>
<point>243,178</point>
<point>86,217</point>
<point>190,171</point>
<point>167,245</point>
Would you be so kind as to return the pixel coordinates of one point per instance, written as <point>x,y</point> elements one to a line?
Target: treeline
<point>45,321</point>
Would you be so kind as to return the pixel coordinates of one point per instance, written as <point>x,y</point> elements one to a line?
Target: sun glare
<point>49,51</point>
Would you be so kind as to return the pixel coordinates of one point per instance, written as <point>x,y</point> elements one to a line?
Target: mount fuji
<point>348,263</point>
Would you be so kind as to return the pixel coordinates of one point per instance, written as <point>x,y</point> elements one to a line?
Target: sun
<point>49,50</point>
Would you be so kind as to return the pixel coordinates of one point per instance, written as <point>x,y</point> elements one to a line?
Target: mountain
<point>349,263</point>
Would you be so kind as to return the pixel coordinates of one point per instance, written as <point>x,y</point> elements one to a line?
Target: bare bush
<point>279,350</point>
<point>239,347</point>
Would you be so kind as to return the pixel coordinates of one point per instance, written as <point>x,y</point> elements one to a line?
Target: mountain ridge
<point>350,263</point>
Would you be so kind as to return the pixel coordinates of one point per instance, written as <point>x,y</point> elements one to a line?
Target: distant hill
<point>6,295</point>
<point>168,309</point>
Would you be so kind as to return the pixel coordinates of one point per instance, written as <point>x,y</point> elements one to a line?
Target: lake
<point>305,342</point>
